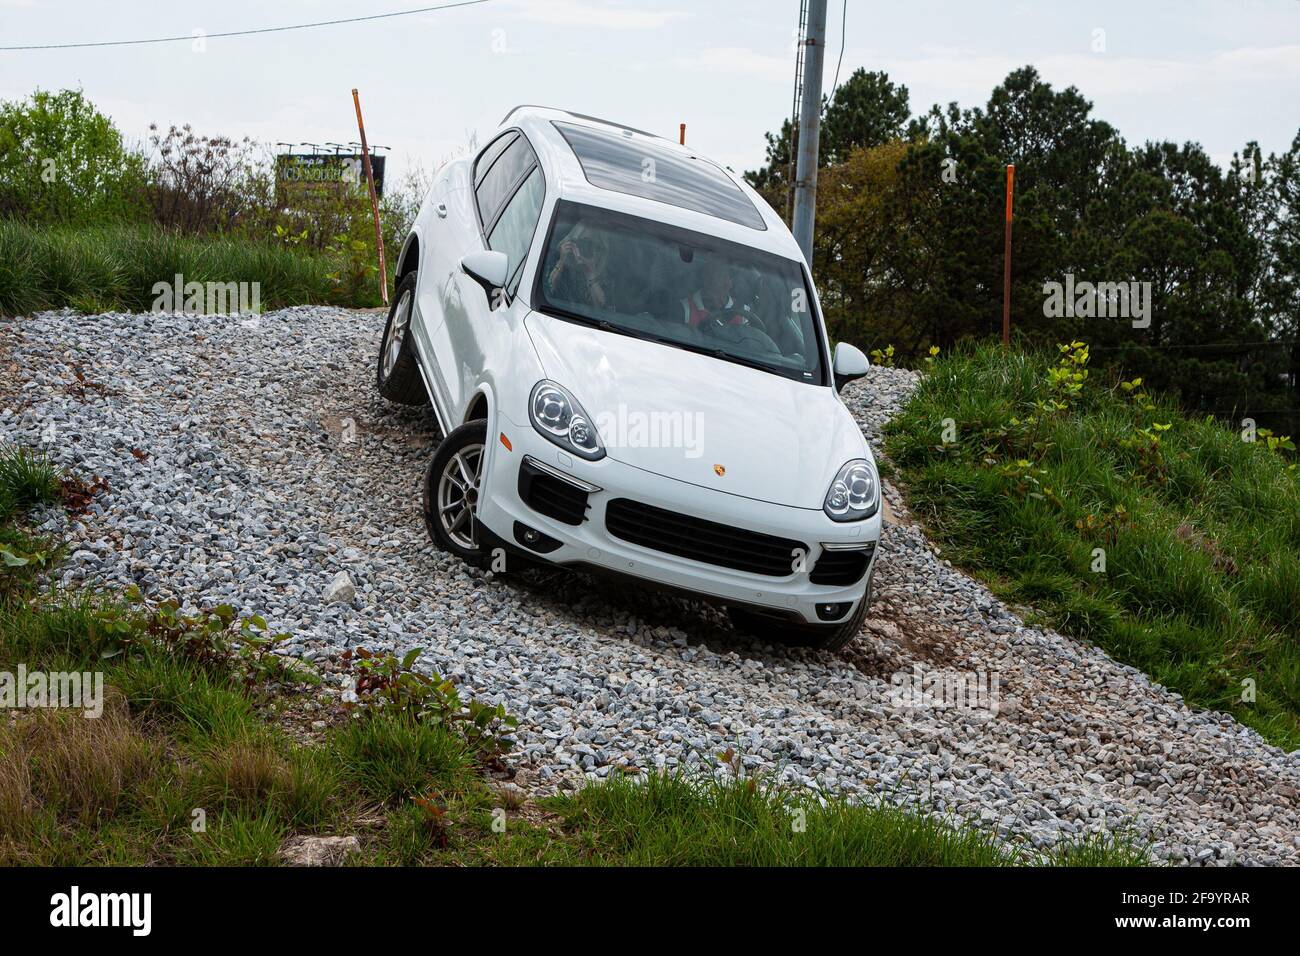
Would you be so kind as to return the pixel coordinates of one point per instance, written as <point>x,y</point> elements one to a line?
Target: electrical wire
<point>844,19</point>
<point>241,33</point>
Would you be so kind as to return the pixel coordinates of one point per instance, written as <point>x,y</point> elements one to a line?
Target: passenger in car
<point>579,274</point>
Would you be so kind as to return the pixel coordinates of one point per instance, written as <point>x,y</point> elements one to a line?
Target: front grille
<point>700,540</point>
<point>551,496</point>
<point>841,567</point>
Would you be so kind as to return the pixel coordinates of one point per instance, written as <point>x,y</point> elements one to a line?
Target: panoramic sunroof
<point>616,162</point>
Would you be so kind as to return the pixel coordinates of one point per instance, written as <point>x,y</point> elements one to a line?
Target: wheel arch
<point>408,260</point>
<point>481,405</point>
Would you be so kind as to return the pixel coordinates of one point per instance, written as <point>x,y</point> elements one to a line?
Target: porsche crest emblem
<point>719,470</point>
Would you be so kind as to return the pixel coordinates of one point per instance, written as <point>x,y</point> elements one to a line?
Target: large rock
<point>319,850</point>
<point>341,590</point>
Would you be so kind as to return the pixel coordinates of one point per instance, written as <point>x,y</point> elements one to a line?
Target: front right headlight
<point>855,492</point>
<point>556,414</point>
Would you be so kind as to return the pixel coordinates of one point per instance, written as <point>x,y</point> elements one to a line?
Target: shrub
<point>63,161</point>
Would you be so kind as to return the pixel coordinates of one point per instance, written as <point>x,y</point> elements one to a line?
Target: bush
<point>198,184</point>
<point>62,161</point>
<point>64,165</point>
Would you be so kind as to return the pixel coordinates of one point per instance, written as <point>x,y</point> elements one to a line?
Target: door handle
<point>441,210</point>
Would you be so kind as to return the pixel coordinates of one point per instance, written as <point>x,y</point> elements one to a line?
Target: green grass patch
<point>679,820</point>
<point>1168,541</point>
<point>26,478</point>
<point>115,268</point>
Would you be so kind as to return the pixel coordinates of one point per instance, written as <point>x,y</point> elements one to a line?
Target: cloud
<point>1260,63</point>
<point>1093,74</point>
<point>738,61</point>
<point>576,13</point>
<point>959,72</point>
<point>963,75</point>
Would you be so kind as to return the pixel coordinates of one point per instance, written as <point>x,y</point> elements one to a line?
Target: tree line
<point>909,243</point>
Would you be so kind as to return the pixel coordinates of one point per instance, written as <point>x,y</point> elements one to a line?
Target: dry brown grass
<point>17,801</point>
<point>74,765</point>
<point>246,773</point>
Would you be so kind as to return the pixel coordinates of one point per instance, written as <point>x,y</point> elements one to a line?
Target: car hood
<point>700,419</point>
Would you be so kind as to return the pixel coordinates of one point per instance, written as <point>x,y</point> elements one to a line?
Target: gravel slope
<point>269,464</point>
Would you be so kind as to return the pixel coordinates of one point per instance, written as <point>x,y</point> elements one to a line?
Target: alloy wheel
<point>458,489</point>
<point>397,333</point>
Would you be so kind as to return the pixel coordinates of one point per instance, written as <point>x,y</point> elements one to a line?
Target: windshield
<point>644,278</point>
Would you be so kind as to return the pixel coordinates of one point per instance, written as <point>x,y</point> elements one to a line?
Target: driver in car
<point>712,300</point>
<point>712,312</point>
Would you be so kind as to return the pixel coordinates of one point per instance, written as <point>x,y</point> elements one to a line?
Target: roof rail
<point>583,116</point>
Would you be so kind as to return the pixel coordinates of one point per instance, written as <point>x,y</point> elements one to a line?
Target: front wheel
<point>825,637</point>
<point>451,492</point>
<point>396,374</point>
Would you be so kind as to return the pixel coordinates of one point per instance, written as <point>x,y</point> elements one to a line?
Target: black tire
<point>825,637</point>
<point>437,495</point>
<point>396,374</point>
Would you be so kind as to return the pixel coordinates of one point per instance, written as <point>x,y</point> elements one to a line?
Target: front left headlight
<point>558,416</point>
<point>855,492</point>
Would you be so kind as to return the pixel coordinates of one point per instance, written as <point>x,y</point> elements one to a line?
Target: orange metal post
<point>374,201</point>
<point>1006,263</point>
<point>683,135</point>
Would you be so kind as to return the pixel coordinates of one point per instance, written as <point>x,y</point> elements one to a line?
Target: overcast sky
<point>1220,72</point>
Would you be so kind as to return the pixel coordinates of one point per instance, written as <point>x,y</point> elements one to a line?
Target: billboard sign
<point>299,174</point>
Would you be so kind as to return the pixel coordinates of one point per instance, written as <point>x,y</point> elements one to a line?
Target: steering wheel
<point>715,328</point>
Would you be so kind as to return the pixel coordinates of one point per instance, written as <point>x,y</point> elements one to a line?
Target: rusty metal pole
<point>1006,263</point>
<point>374,201</point>
<point>683,135</point>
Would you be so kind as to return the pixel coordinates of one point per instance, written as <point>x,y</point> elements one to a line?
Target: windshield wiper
<point>726,356</point>
<point>603,324</point>
<point>607,326</point>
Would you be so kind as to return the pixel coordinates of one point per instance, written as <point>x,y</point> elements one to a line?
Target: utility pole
<point>810,121</point>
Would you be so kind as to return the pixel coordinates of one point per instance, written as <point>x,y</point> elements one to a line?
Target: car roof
<point>546,130</point>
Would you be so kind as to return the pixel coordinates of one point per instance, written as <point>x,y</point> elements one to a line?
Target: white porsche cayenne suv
<point>625,354</point>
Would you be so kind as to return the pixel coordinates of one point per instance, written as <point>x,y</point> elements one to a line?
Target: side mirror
<point>488,269</point>
<point>849,364</point>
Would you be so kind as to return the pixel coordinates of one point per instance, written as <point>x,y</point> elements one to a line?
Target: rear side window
<point>513,232</point>
<point>501,180</point>
<point>491,154</point>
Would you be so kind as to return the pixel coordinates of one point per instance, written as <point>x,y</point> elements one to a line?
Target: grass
<point>677,820</point>
<point>1166,540</point>
<point>26,479</point>
<point>115,268</point>
<point>191,764</point>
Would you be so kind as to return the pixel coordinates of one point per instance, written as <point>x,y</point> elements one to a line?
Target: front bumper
<point>588,544</point>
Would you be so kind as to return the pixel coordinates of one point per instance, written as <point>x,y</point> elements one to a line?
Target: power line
<point>844,19</point>
<point>241,33</point>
